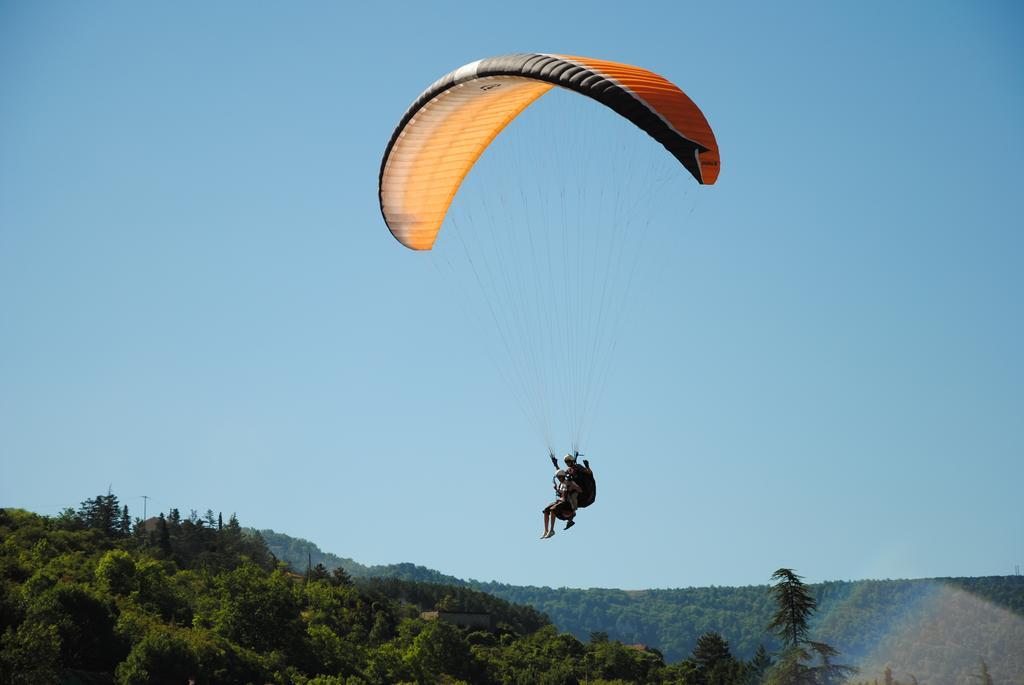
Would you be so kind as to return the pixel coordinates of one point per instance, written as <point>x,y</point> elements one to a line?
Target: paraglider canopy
<point>453,121</point>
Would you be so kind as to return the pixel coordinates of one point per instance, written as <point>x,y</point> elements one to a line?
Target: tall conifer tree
<point>796,604</point>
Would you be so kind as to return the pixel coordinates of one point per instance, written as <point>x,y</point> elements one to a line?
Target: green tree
<point>115,573</point>
<point>124,523</point>
<point>340,577</point>
<point>161,657</point>
<point>333,653</point>
<point>447,603</point>
<point>788,669</point>
<point>102,513</point>
<point>257,610</point>
<point>827,673</point>
<point>710,649</point>
<point>759,665</point>
<point>85,623</point>
<point>384,665</point>
<point>795,606</point>
<point>163,536</point>
<point>171,656</point>
<point>440,649</point>
<point>714,664</point>
<point>30,654</point>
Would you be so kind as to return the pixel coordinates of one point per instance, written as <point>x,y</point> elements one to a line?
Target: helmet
<point>569,459</point>
<point>559,473</point>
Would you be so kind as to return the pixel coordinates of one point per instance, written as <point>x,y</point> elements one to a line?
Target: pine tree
<point>712,659</point>
<point>828,673</point>
<point>796,604</point>
<point>340,577</point>
<point>101,513</point>
<point>164,535</point>
<point>790,623</point>
<point>759,664</point>
<point>711,648</point>
<point>125,524</point>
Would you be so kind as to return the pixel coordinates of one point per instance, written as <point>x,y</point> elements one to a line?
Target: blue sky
<point>199,300</point>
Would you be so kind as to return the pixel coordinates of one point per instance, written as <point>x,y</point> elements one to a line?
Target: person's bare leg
<point>550,519</point>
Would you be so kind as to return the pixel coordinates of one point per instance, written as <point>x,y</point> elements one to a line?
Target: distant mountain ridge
<point>853,616</point>
<point>297,552</point>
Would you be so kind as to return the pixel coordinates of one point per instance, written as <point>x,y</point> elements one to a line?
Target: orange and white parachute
<point>449,126</point>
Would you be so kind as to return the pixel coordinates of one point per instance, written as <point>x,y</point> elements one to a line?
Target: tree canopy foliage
<point>94,596</point>
<point>87,597</point>
<point>871,622</point>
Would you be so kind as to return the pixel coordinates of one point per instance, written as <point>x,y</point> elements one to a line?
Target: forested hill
<point>93,595</point>
<point>299,553</point>
<point>855,617</point>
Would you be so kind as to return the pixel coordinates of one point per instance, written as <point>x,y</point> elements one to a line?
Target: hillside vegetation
<point>92,596</point>
<point>912,625</point>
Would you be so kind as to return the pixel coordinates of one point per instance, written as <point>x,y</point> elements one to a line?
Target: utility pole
<point>145,501</point>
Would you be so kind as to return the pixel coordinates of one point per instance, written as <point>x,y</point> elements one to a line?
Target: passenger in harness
<point>564,506</point>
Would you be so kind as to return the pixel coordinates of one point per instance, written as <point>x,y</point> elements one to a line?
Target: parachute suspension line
<point>484,278</point>
<point>600,357</point>
<point>528,327</point>
<point>552,223</point>
<point>575,301</point>
<point>541,307</point>
<point>591,217</point>
<point>600,311</point>
<point>520,309</point>
<point>603,366</point>
<point>587,220</point>
<point>469,312</point>
<point>570,307</point>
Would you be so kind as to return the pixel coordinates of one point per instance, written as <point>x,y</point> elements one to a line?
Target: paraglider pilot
<point>572,469</point>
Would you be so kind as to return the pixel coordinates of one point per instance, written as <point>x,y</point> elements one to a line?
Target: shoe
<point>569,524</point>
